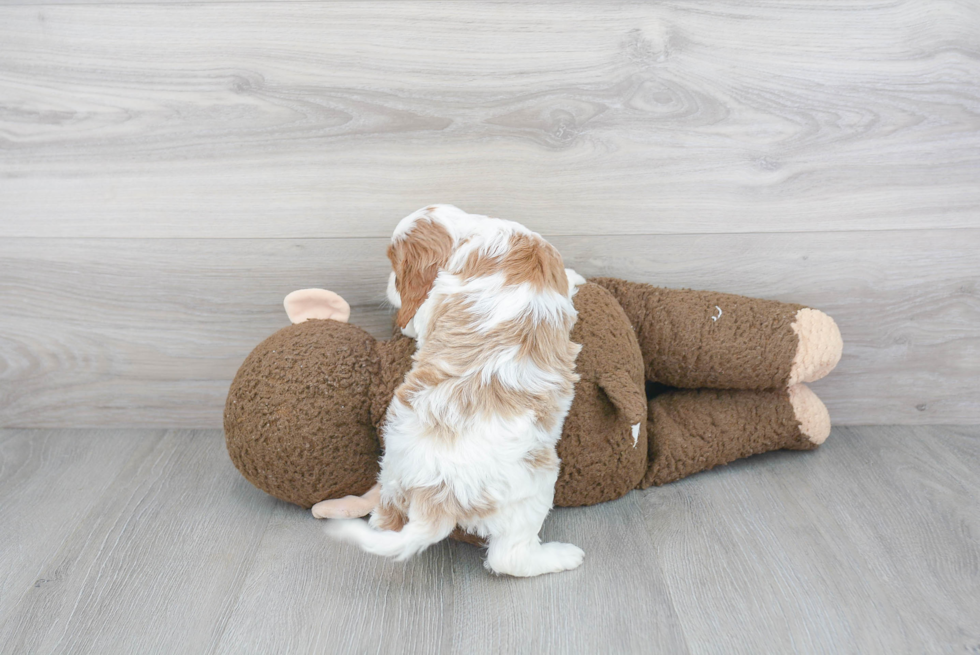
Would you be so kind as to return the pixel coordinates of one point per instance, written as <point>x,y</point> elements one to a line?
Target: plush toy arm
<point>703,339</point>
<point>626,396</point>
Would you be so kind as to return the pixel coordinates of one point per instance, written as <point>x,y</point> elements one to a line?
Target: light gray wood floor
<point>138,541</point>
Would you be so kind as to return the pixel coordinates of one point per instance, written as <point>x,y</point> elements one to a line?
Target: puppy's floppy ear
<point>416,258</point>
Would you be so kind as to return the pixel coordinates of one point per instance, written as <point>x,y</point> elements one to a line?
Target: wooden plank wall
<point>168,172</point>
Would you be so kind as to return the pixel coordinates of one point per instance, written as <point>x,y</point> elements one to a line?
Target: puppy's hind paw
<point>563,557</point>
<point>534,559</point>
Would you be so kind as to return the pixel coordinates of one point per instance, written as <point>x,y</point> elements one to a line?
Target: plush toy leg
<point>348,507</point>
<point>702,339</point>
<point>692,431</point>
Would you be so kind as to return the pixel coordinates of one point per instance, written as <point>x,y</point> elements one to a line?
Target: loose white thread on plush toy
<point>715,318</point>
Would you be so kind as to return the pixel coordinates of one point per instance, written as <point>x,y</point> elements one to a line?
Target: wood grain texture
<point>48,482</point>
<point>869,544</point>
<point>334,119</point>
<point>150,332</point>
<point>822,152</point>
<point>306,594</point>
<point>618,601</point>
<point>156,563</point>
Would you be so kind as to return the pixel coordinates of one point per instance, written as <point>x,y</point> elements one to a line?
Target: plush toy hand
<point>348,507</point>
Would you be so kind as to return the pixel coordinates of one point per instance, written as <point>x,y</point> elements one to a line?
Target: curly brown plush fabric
<point>395,362</point>
<point>297,419</point>
<point>749,346</point>
<point>698,430</point>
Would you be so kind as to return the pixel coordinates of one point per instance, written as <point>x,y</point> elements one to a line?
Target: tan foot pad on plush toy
<point>820,346</point>
<point>811,413</point>
<point>348,507</point>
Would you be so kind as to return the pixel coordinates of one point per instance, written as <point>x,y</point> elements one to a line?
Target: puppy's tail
<point>415,537</point>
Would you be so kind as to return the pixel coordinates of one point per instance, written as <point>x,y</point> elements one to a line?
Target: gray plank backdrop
<point>168,172</point>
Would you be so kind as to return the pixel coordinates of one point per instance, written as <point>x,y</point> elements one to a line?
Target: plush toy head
<point>304,414</point>
<point>292,399</point>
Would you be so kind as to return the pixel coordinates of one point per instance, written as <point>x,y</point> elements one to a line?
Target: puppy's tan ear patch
<point>416,259</point>
<point>305,304</point>
<point>533,260</point>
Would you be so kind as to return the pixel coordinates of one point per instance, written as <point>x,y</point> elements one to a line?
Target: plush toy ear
<point>305,304</point>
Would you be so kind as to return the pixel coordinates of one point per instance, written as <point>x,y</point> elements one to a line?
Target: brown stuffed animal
<point>304,415</point>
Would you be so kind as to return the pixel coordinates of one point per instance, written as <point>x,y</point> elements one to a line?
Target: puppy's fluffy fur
<point>470,435</point>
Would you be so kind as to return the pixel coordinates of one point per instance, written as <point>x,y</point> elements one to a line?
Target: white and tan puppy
<point>470,434</point>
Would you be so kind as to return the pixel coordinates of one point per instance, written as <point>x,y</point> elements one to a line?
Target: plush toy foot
<point>820,346</point>
<point>348,507</point>
<point>811,413</point>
